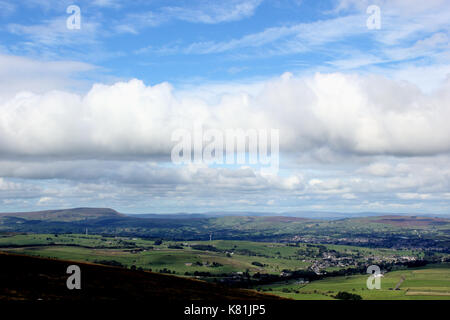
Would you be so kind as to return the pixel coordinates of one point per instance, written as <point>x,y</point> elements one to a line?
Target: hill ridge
<point>70,214</point>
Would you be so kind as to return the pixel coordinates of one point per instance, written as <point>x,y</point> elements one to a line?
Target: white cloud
<point>398,6</point>
<point>6,8</point>
<point>206,12</point>
<point>54,32</point>
<point>199,11</point>
<point>346,113</point>
<point>415,196</point>
<point>8,185</point>
<point>107,3</point>
<point>378,169</point>
<point>295,38</point>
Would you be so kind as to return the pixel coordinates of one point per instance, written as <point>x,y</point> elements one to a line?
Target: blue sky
<point>87,114</point>
<point>155,40</point>
<point>179,41</point>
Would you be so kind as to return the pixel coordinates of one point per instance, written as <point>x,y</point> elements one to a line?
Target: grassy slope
<point>157,258</point>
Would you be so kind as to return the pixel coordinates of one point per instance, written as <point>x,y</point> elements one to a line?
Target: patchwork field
<point>431,282</point>
<point>215,257</point>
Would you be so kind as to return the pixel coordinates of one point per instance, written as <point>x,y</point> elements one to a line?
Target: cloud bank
<point>363,115</point>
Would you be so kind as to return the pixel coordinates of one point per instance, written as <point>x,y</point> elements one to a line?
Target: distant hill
<point>30,278</point>
<point>168,215</point>
<point>406,221</point>
<point>83,214</point>
<point>386,231</point>
<point>65,215</point>
<point>321,215</point>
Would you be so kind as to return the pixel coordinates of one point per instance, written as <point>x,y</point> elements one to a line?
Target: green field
<point>231,255</point>
<point>95,248</point>
<point>431,282</point>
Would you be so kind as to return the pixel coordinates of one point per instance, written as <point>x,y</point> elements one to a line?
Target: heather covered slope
<point>31,278</point>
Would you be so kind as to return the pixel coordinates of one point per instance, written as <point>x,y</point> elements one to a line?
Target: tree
<point>343,295</point>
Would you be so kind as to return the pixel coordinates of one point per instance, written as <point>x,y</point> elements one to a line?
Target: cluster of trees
<point>175,247</point>
<point>165,270</point>
<point>216,265</point>
<point>258,264</point>
<point>343,295</point>
<point>263,278</point>
<point>212,265</point>
<point>113,263</point>
<point>204,247</point>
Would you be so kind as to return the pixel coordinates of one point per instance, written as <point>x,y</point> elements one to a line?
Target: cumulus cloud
<point>345,113</point>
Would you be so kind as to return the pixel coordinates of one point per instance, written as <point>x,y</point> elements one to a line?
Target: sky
<point>92,92</point>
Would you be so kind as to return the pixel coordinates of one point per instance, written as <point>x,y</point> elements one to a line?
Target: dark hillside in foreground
<point>31,278</point>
